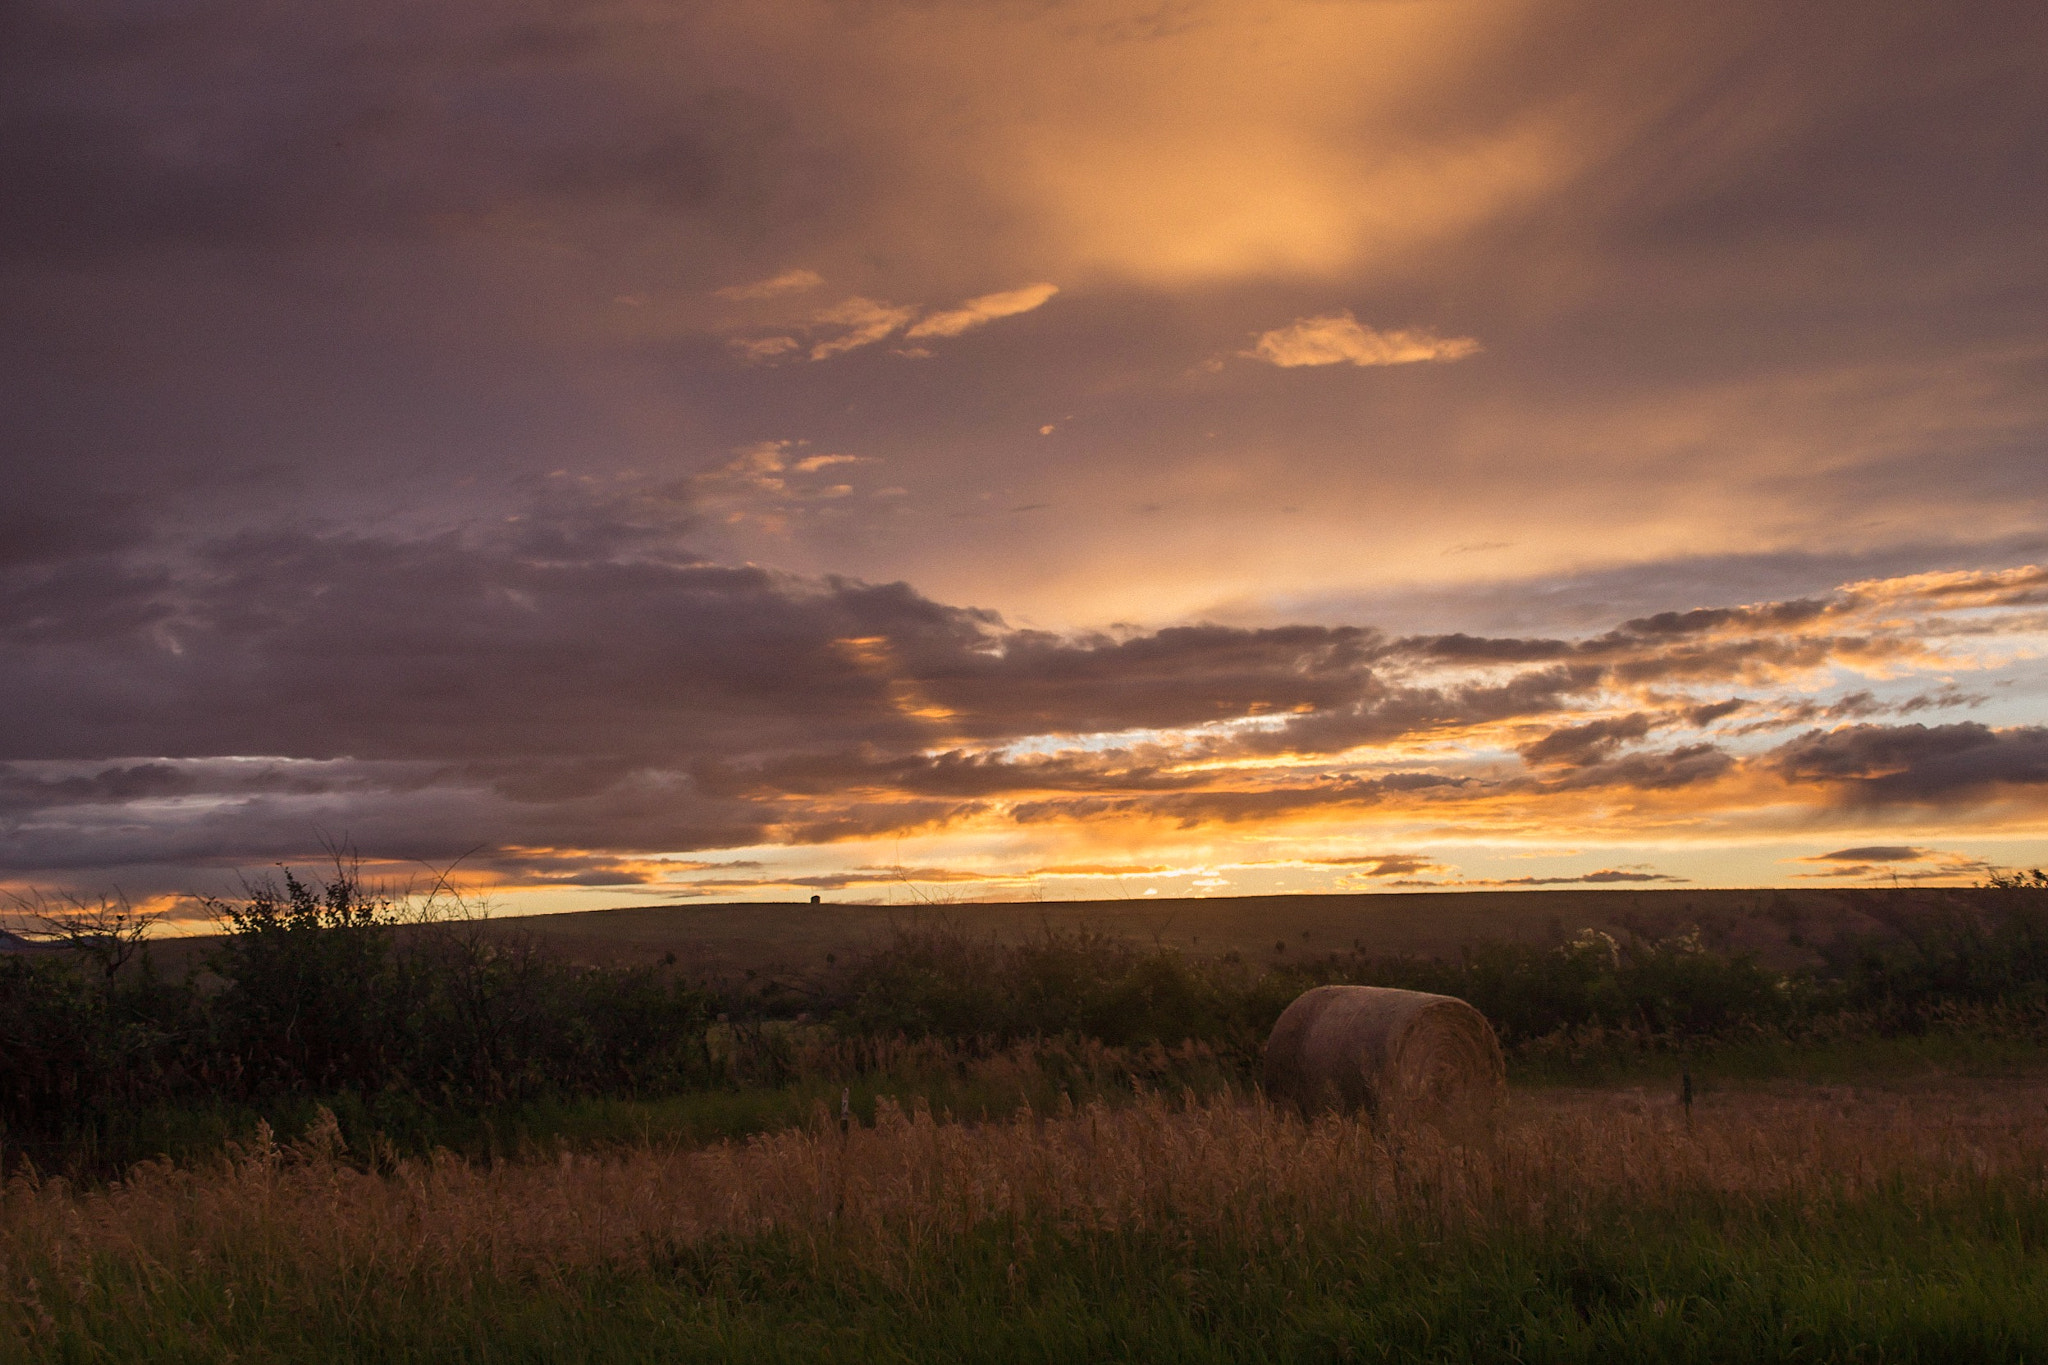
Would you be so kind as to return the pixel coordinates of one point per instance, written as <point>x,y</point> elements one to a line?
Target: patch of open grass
<point>965,1082</point>
<point>1895,1225</point>
<point>1975,1053</point>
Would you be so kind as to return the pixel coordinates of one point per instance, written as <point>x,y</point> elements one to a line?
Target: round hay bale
<point>1385,1051</point>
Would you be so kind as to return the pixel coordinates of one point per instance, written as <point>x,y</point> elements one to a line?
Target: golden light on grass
<point>294,1221</point>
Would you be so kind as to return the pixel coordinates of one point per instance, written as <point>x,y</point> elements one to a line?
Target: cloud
<point>1882,863</point>
<point>1874,853</point>
<point>1339,338</point>
<point>849,325</point>
<point>1607,876</point>
<point>285,354</point>
<point>1708,713</point>
<point>576,679</point>
<point>763,348</point>
<point>769,485</point>
<point>788,282</point>
<point>378,273</point>
<point>978,312</point>
<point>1686,766</point>
<point>1576,746</point>
<point>811,464</point>
<point>1385,865</point>
<point>1883,764</point>
<point>865,321</point>
<point>2026,585</point>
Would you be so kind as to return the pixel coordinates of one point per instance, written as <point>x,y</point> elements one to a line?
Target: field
<point>795,936</point>
<point>1902,1221</point>
<point>1053,1144</point>
<point>1393,924</point>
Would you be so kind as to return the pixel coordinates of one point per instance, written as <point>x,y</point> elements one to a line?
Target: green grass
<point>985,1089</point>
<point>1791,1227</point>
<point>954,1083</point>
<point>1857,1058</point>
<point>1886,1278</point>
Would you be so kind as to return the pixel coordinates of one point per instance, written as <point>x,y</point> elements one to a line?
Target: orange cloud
<point>865,322</point>
<point>1340,339</point>
<point>979,312</point>
<point>788,282</point>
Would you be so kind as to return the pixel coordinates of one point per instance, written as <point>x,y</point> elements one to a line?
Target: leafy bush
<point>319,991</point>
<point>1671,988</point>
<point>307,1005</point>
<point>935,983</point>
<point>1992,949</point>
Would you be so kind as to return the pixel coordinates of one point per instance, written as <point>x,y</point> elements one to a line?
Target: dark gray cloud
<point>566,680</point>
<point>1607,876</point>
<point>1895,863</point>
<point>375,648</point>
<point>1388,711</point>
<point>1576,746</point>
<point>1874,853</point>
<point>258,259</point>
<point>1685,766</point>
<point>953,773</point>
<point>22,791</point>
<point>1713,711</point>
<point>379,463</point>
<point>1917,763</point>
<point>1574,603</point>
<point>229,125</point>
<point>1387,864</point>
<point>1217,806</point>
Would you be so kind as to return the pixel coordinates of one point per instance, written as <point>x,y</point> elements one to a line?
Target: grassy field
<point>1054,1146</point>
<point>1901,1220</point>
<point>1775,924</point>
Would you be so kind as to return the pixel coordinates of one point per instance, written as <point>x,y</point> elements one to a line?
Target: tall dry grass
<point>302,1221</point>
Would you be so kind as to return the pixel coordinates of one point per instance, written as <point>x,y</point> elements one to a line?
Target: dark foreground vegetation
<point>418,1032</point>
<point>1575,1226</point>
<point>427,1141</point>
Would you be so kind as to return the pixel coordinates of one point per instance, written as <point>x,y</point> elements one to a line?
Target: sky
<point>632,452</point>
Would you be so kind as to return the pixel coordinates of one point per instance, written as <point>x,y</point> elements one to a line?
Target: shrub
<point>307,1005</point>
<point>937,983</point>
<point>321,992</point>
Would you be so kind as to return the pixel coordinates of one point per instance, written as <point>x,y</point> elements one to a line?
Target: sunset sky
<point>994,450</point>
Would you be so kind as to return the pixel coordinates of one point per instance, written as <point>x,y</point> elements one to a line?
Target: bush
<point>321,993</point>
<point>935,983</point>
<point>1990,949</point>
<point>308,1005</point>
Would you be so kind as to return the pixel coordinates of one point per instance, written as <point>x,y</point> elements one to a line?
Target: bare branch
<point>108,932</point>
